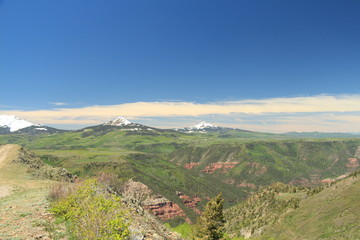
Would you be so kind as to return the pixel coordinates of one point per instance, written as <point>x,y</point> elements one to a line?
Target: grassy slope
<point>265,162</point>
<point>262,209</point>
<point>334,213</point>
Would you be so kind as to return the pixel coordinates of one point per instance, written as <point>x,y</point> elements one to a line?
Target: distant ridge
<point>321,135</point>
<point>204,127</point>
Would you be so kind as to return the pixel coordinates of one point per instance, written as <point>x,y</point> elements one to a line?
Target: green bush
<point>93,213</point>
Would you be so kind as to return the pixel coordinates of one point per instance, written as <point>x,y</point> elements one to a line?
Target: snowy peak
<point>117,124</point>
<point>14,123</point>
<point>202,125</point>
<point>119,121</point>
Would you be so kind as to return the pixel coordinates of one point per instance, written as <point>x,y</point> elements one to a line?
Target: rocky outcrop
<point>190,202</point>
<point>140,197</point>
<point>163,208</point>
<point>352,163</point>
<point>191,165</point>
<point>224,166</point>
<point>41,169</point>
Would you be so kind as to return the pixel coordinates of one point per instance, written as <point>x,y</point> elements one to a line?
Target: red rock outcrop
<point>163,208</point>
<point>190,202</point>
<point>352,163</point>
<point>191,165</point>
<point>220,165</point>
<point>327,180</point>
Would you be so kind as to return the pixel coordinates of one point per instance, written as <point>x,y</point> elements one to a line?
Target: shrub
<point>61,190</point>
<point>111,182</point>
<point>93,213</point>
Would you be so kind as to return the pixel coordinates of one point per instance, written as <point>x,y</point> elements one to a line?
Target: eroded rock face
<point>191,165</point>
<point>352,163</point>
<point>136,191</point>
<point>163,208</point>
<point>190,202</point>
<point>145,225</point>
<point>140,197</point>
<point>224,166</point>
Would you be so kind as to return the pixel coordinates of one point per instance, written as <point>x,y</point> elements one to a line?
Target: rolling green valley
<point>265,179</point>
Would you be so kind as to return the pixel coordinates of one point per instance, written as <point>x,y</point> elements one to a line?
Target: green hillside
<point>260,163</point>
<point>334,213</point>
<point>261,210</point>
<point>287,212</point>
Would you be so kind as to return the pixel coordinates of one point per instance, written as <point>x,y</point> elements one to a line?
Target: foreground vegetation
<point>92,212</point>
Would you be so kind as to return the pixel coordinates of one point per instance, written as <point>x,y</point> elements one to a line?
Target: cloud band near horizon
<point>324,111</point>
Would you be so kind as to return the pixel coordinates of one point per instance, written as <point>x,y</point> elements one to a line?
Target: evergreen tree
<point>210,225</point>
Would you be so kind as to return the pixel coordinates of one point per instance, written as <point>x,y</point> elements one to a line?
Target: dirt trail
<point>5,156</point>
<point>23,203</point>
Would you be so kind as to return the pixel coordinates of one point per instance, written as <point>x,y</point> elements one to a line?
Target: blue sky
<point>63,55</point>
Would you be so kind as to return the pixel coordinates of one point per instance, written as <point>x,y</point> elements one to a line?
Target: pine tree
<point>210,225</point>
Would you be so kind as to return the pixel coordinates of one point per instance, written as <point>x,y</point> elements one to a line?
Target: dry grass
<point>61,190</point>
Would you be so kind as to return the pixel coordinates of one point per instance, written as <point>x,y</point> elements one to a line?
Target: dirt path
<point>4,152</point>
<point>5,156</point>
<point>23,203</point>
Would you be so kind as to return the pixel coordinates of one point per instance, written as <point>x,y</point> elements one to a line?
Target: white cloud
<point>274,114</point>
<point>58,103</point>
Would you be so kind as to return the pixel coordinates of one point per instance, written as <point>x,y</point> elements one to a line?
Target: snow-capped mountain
<point>13,123</point>
<point>117,124</point>
<point>204,127</point>
<point>201,127</point>
<point>119,121</point>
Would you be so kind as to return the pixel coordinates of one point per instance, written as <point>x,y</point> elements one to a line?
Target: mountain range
<point>12,124</point>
